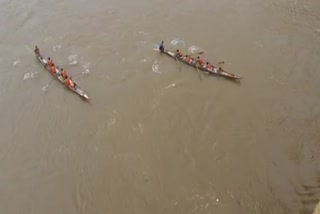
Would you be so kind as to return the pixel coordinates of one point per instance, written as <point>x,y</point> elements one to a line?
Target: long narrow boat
<point>214,70</point>
<point>58,76</point>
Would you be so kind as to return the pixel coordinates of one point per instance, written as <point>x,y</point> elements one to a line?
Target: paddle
<point>47,86</point>
<point>78,74</point>
<point>199,72</point>
<point>178,63</point>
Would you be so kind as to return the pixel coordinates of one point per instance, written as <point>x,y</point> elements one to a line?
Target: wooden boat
<point>214,70</point>
<point>58,76</point>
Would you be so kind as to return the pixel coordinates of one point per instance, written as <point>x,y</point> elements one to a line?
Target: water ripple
<point>178,42</point>
<point>155,67</point>
<point>29,75</point>
<point>16,62</point>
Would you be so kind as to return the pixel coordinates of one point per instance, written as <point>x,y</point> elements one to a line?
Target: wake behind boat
<point>75,88</point>
<point>192,62</point>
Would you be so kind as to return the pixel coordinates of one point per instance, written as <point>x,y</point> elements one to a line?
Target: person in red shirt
<point>69,83</point>
<point>53,69</point>
<point>50,62</point>
<point>209,66</point>
<point>188,59</point>
<point>200,61</point>
<point>64,74</point>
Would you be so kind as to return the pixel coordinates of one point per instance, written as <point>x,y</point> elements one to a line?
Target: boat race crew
<point>179,54</point>
<point>60,74</point>
<point>161,47</point>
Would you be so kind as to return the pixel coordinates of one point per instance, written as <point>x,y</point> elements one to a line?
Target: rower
<point>64,74</point>
<point>209,66</point>
<point>53,69</point>
<point>161,47</point>
<point>179,54</point>
<point>50,62</point>
<point>36,50</point>
<point>219,70</point>
<point>188,59</point>
<point>69,82</point>
<point>200,61</point>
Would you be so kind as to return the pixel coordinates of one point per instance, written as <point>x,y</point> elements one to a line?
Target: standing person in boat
<point>200,61</point>
<point>36,50</point>
<point>64,73</point>
<point>50,62</point>
<point>179,54</point>
<point>161,47</point>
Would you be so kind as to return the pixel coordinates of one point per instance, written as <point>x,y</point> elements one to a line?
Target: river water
<point>155,138</point>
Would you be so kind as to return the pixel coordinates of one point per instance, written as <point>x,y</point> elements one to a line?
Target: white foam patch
<point>171,85</point>
<point>143,60</point>
<point>44,88</point>
<point>16,62</point>
<point>29,75</point>
<point>86,68</point>
<point>177,41</point>
<point>73,59</point>
<point>56,47</point>
<point>155,67</point>
<point>26,76</point>
<point>194,49</point>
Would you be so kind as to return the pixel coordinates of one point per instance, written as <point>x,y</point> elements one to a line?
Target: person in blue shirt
<point>161,47</point>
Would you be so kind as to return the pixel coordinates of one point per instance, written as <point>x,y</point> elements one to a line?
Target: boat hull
<point>213,71</point>
<point>58,76</point>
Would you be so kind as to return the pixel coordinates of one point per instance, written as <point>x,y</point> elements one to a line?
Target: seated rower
<point>161,47</point>
<point>53,69</point>
<point>36,50</point>
<point>69,83</point>
<point>64,74</point>
<point>185,57</point>
<point>200,61</point>
<point>179,54</point>
<point>219,70</point>
<point>50,62</point>
<point>188,59</point>
<point>209,66</point>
